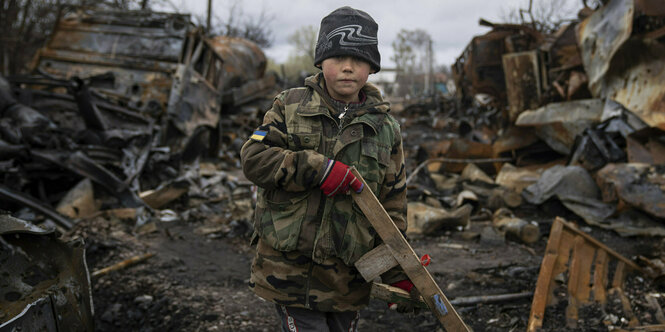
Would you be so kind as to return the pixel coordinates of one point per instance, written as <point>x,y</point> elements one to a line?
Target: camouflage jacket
<point>308,242</point>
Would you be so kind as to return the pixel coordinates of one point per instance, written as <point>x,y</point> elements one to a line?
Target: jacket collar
<point>320,103</point>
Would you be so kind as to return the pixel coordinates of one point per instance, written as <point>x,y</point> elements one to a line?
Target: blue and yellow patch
<point>259,135</point>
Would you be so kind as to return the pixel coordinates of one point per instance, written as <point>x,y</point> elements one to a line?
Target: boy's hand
<point>408,286</point>
<point>338,178</point>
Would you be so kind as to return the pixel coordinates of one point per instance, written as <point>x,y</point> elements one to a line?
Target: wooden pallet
<point>394,251</point>
<point>587,262</point>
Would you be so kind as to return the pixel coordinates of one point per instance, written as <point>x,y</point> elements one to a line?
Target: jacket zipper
<point>341,115</point>
<point>340,124</point>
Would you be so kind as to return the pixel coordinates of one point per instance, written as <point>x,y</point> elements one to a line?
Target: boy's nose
<point>347,64</point>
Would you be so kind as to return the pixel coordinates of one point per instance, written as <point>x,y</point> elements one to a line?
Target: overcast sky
<point>450,23</point>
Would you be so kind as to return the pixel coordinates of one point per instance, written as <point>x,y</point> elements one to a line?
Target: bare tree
<point>24,27</point>
<point>410,50</point>
<point>303,41</point>
<point>237,24</point>
<point>546,16</point>
<point>300,62</point>
<point>256,29</point>
<point>413,57</point>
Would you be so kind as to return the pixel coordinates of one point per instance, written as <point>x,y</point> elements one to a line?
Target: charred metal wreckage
<point>118,102</point>
<point>123,99</point>
<point>581,115</point>
<point>45,285</point>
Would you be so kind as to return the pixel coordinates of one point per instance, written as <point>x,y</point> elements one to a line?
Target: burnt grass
<point>198,282</point>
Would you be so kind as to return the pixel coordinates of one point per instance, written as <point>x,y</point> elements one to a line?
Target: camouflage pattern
<point>308,242</point>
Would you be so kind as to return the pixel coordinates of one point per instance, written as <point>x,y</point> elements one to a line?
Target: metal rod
<point>122,265</point>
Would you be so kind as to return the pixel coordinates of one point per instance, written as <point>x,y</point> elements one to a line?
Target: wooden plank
<point>572,313</point>
<point>542,292</point>
<point>566,244</point>
<point>600,277</point>
<point>659,328</point>
<point>555,237</point>
<point>598,244</point>
<point>586,255</point>
<point>572,310</point>
<point>575,266</point>
<point>571,250</point>
<point>619,275</point>
<point>407,259</point>
<point>376,262</point>
<point>392,294</point>
<point>545,283</point>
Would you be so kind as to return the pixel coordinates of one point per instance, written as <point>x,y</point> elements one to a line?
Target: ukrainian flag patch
<point>259,135</point>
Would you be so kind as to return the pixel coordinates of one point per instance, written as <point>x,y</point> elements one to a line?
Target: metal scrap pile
<point>119,108</point>
<point>588,98</point>
<point>575,117</point>
<point>118,120</point>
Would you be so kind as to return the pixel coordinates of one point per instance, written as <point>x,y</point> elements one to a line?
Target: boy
<point>308,230</point>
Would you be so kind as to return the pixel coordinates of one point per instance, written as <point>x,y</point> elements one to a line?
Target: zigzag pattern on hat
<point>351,35</point>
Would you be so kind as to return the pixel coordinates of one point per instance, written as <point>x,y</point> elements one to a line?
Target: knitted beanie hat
<point>348,31</point>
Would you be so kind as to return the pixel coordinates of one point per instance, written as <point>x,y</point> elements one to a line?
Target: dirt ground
<point>197,280</point>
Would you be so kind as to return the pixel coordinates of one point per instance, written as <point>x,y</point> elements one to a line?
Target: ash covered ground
<point>197,280</point>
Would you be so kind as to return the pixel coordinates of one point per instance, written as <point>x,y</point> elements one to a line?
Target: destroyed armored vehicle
<point>123,98</point>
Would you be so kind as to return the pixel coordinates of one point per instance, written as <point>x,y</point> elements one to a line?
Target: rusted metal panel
<point>600,37</point>
<point>559,123</point>
<point>251,89</point>
<point>487,74</point>
<point>193,102</point>
<point>110,43</point>
<point>622,57</point>
<point>141,49</point>
<point>563,51</point>
<point>479,68</point>
<point>638,80</point>
<point>60,63</point>
<point>522,73</point>
<point>45,284</point>
<point>243,60</point>
<point>244,70</point>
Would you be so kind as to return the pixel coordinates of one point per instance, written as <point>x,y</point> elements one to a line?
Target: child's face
<point>345,76</point>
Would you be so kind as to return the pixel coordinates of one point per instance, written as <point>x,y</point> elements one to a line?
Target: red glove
<point>338,178</point>
<point>406,285</point>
